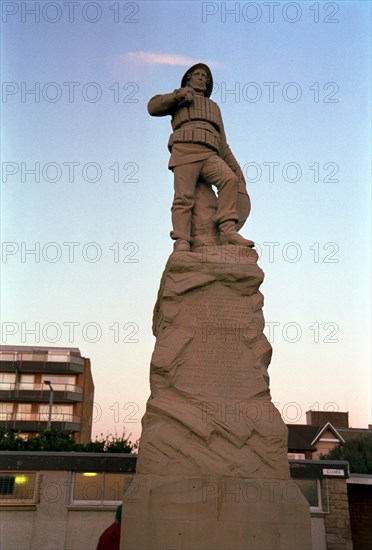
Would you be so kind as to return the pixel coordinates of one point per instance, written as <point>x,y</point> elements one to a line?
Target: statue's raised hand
<point>186,93</point>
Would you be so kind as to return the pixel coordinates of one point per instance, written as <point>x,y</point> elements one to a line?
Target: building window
<point>6,411</point>
<point>25,412</point>
<point>60,413</point>
<point>296,456</point>
<point>62,383</point>
<point>311,490</point>
<point>27,382</point>
<point>37,413</point>
<point>19,487</point>
<point>99,489</point>
<point>7,381</point>
<point>58,357</point>
<point>8,356</point>
<point>25,356</point>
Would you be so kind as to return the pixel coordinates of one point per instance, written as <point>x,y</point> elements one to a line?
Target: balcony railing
<point>41,363</point>
<point>39,417</point>
<point>41,357</point>
<point>12,386</point>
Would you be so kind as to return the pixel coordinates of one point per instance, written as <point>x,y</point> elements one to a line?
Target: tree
<point>62,441</point>
<point>358,452</point>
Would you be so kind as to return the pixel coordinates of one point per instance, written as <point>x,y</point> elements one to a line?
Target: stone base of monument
<point>222,513</point>
<point>212,471</point>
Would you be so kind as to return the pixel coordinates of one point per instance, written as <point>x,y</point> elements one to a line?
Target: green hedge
<point>62,440</point>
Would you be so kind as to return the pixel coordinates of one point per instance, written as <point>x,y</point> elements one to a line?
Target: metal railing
<point>13,386</point>
<point>41,357</point>
<point>39,417</point>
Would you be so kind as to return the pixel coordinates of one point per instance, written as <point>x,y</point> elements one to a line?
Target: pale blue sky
<point>326,213</point>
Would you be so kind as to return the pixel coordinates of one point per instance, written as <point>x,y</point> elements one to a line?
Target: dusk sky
<point>86,192</point>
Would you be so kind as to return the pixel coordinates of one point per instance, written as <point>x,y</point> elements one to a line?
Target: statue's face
<point>198,80</point>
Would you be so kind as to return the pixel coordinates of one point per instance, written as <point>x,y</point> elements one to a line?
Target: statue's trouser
<point>214,171</point>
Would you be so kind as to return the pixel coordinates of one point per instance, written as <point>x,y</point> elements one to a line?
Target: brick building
<point>322,432</point>
<point>349,504</point>
<point>44,387</point>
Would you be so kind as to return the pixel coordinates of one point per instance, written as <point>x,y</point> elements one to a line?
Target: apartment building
<point>43,387</point>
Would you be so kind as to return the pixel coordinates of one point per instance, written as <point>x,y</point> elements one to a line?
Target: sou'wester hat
<point>208,91</point>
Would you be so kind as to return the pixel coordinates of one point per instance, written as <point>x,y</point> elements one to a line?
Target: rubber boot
<point>229,234</point>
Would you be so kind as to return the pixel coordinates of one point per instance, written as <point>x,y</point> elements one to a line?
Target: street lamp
<point>48,383</point>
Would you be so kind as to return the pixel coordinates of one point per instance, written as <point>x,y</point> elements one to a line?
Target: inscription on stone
<point>215,358</point>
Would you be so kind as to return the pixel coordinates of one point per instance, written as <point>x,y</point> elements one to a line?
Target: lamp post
<point>48,383</point>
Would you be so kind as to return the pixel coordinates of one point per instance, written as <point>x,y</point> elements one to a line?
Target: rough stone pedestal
<point>212,471</point>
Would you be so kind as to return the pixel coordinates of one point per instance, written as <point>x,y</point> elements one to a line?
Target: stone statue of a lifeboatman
<point>200,154</point>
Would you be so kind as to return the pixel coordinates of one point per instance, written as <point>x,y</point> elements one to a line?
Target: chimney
<point>319,418</point>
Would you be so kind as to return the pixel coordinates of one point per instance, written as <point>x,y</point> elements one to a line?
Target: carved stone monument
<point>212,471</point>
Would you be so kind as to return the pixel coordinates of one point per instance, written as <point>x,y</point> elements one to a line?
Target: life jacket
<point>202,109</point>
